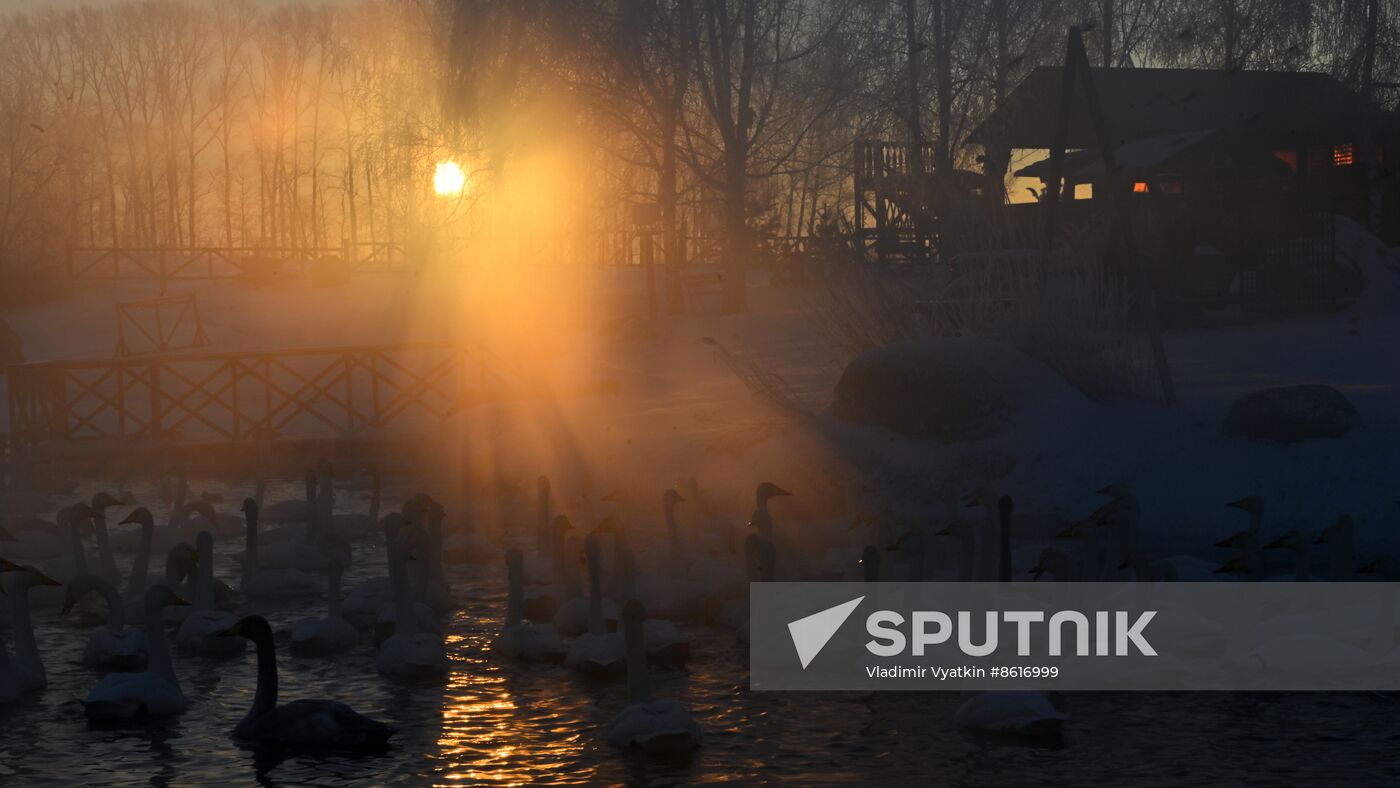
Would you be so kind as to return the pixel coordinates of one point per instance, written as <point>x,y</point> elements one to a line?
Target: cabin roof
<point>1282,106</point>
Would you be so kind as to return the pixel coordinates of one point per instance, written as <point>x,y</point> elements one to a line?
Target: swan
<point>647,723</point>
<point>408,653</point>
<point>294,510</point>
<point>571,616</point>
<point>1022,713</point>
<point>140,566</point>
<point>1055,563</point>
<point>357,525</point>
<point>546,600</point>
<point>1339,536</point>
<point>1249,563</point>
<point>597,651</point>
<point>156,692</point>
<point>1119,518</point>
<point>200,632</point>
<point>24,672</point>
<point>1254,506</point>
<point>762,520</point>
<point>520,639</point>
<point>663,640</point>
<point>270,583</point>
<point>107,565</point>
<point>318,724</point>
<point>363,604</point>
<point>115,646</point>
<point>327,635</point>
<point>1302,565</point>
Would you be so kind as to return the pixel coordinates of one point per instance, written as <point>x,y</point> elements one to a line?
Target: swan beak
<point>947,530</point>
<point>969,502</point>
<point>1223,570</point>
<point>1068,533</point>
<point>1321,539</point>
<point>1225,542</point>
<point>68,605</point>
<point>178,600</point>
<point>8,566</point>
<point>1373,567</point>
<point>612,496</point>
<point>130,518</point>
<point>45,580</point>
<point>679,499</point>
<point>778,491</point>
<point>1036,571</point>
<point>1123,565</point>
<point>1274,545</point>
<point>1102,490</point>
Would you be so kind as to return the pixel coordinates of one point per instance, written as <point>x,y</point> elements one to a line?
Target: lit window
<point>1343,155</point>
<point>1083,191</point>
<point>1140,187</point>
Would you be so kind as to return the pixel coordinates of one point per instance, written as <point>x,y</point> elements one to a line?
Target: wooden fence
<point>171,264</point>
<point>252,395</point>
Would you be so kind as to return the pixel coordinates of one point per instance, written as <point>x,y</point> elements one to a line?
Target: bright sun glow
<point>449,180</point>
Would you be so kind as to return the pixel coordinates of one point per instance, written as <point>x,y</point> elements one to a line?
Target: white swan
<point>357,525</point>
<point>663,640</point>
<point>1022,713</point>
<point>140,567</point>
<point>597,651</point>
<point>22,673</point>
<point>115,646</point>
<point>408,653</point>
<point>646,723</point>
<point>201,631</point>
<point>520,639</point>
<point>570,617</point>
<point>156,692</point>
<point>107,565</point>
<point>304,723</point>
<point>319,636</point>
<point>277,582</point>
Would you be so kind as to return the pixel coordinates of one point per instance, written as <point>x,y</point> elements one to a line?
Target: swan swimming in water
<point>114,646</point>
<point>319,636</point>
<point>597,651</point>
<point>316,724</point>
<point>22,673</point>
<point>156,692</point>
<point>408,653</point>
<point>520,639</point>
<point>276,582</point>
<point>201,631</point>
<point>647,723</point>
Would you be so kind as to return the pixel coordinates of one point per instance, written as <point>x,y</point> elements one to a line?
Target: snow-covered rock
<point>1290,414</point>
<point>951,389</point>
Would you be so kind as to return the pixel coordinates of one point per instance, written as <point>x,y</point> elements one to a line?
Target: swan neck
<point>265,698</point>
<point>595,595</point>
<point>26,647</point>
<point>116,612</point>
<point>204,588</point>
<point>638,682</point>
<point>1004,550</point>
<point>79,556</point>
<point>104,549</point>
<point>515,599</point>
<point>179,508</point>
<point>141,566</point>
<point>250,552</point>
<point>333,583</point>
<point>405,612</point>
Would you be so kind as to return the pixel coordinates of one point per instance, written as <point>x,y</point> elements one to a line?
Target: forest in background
<point>184,124</point>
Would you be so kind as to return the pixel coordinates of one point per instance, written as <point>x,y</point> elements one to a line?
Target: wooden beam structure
<point>174,264</point>
<point>210,397</point>
<point>159,325</point>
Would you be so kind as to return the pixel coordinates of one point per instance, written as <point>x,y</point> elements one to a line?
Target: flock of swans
<point>603,599</point>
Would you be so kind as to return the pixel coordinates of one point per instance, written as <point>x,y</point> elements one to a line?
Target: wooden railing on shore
<point>252,395</point>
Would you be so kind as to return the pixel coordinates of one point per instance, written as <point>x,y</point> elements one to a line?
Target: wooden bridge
<point>214,397</point>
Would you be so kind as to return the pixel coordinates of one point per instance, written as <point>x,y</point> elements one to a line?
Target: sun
<point>448,179</point>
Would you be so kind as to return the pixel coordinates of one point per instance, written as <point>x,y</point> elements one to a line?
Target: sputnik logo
<point>811,633</point>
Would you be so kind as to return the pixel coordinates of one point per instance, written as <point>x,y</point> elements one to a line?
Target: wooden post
<point>648,263</point>
<point>1121,235</point>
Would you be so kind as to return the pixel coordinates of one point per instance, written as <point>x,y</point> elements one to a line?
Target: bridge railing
<point>170,264</point>
<point>250,395</point>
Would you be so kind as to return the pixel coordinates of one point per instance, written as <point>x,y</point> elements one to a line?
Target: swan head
<point>1244,540</point>
<point>1049,561</point>
<point>205,510</point>
<point>1336,531</point>
<point>104,500</point>
<point>1079,529</point>
<point>1250,503</point>
<point>607,525</point>
<point>30,576</point>
<point>249,507</point>
<point>670,498</point>
<point>958,528</point>
<point>183,553</point>
<point>592,548</point>
<point>561,524</point>
<point>253,627</point>
<point>77,589</point>
<point>83,511</point>
<point>982,496</point>
<point>1293,540</point>
<point>1235,566</point>
<point>141,516</point>
<point>9,566</point>
<point>1385,566</point>
<point>768,490</point>
<point>161,595</point>
<point>1116,490</point>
